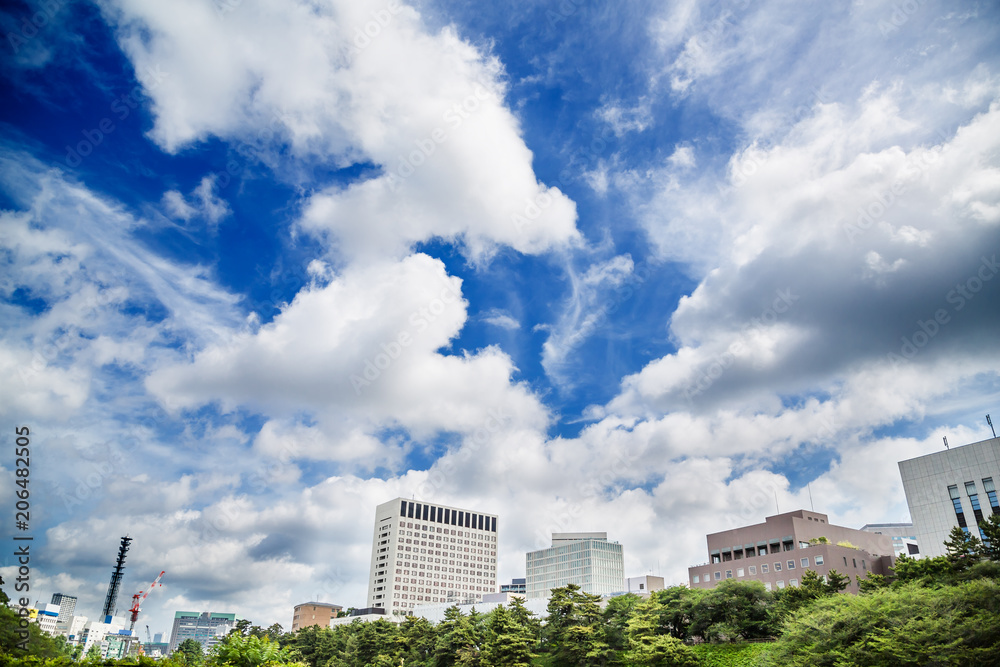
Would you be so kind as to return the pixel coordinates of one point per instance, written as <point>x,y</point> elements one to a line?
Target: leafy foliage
<point>908,625</point>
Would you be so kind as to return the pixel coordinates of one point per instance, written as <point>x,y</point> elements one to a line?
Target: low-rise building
<point>366,615</point>
<point>314,613</point>
<point>783,548</point>
<point>644,585</point>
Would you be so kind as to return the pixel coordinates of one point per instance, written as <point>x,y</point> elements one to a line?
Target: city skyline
<point>645,268</point>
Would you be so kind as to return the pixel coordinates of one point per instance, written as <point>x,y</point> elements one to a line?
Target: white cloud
<point>500,318</point>
<point>427,108</point>
<point>585,310</point>
<point>204,203</point>
<point>361,352</point>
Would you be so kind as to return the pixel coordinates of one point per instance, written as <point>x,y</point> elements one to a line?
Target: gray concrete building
<point>783,548</point>
<point>952,487</point>
<point>585,559</point>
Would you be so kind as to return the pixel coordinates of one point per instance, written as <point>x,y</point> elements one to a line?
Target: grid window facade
<point>425,553</point>
<point>596,565</point>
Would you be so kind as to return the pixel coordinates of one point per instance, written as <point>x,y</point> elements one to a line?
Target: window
<point>818,560</point>
<point>739,572</point>
<point>793,582</point>
<point>781,584</point>
<point>777,567</point>
<point>804,562</point>
<point>697,579</point>
<point>763,568</point>
<point>767,585</point>
<point>718,576</point>
<point>753,569</point>
<point>729,574</point>
<point>791,565</point>
<point>855,561</point>
<point>991,493</point>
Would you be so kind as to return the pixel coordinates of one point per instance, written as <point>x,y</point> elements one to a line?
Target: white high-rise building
<point>427,552</point>
<point>585,559</point>
<point>953,487</point>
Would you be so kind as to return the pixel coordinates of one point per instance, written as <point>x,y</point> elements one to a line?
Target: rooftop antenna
<point>811,506</point>
<point>777,510</point>
<point>990,422</point>
<point>946,442</point>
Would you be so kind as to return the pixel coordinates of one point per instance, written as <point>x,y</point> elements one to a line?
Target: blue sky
<point>269,264</point>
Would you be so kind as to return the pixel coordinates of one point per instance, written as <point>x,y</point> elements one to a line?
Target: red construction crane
<point>139,597</point>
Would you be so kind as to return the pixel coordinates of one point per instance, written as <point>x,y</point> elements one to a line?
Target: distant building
<point>67,607</point>
<point>46,615</point>
<point>314,613</point>
<point>780,550</point>
<point>953,487</point>
<point>207,628</point>
<point>585,559</point>
<point>515,586</point>
<point>904,542</point>
<point>157,649</point>
<point>435,612</point>
<point>427,552</point>
<point>72,627</point>
<point>367,615</point>
<point>66,603</point>
<point>644,585</point>
<point>95,633</point>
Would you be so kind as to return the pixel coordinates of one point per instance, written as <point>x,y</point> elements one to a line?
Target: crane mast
<point>139,597</point>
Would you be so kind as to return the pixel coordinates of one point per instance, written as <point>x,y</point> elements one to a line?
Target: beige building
<point>778,552</point>
<point>314,613</point>
<point>430,553</point>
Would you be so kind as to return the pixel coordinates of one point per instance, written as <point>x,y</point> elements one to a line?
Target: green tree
<point>925,570</point>
<point>734,610</point>
<point>963,549</point>
<point>190,653</point>
<point>459,638</point>
<point>991,530</point>
<point>647,648</point>
<point>616,616</point>
<point>238,650</point>
<point>369,641</point>
<point>836,582</point>
<point>909,624</point>
<point>508,643</point>
<point>671,609</point>
<point>873,582</point>
<point>572,634</point>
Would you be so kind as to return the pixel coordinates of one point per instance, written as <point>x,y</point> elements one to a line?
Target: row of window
<point>445,515</point>
<point>764,569</point>
<point>973,493</point>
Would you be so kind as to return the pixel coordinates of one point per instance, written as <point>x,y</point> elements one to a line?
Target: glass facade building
<point>585,559</point>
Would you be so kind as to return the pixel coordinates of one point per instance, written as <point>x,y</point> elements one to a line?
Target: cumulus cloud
<point>363,350</point>
<point>338,86</point>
